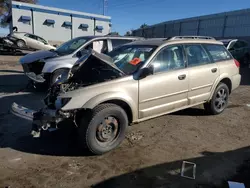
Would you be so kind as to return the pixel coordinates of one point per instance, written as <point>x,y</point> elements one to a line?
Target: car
<point>103,94</point>
<point>26,40</point>
<point>48,66</point>
<point>240,49</point>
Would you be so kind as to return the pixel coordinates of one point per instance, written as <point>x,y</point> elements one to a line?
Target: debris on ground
<point>188,170</point>
<point>134,136</point>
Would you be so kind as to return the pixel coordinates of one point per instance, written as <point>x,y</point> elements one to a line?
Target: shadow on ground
<point>212,170</point>
<point>15,132</point>
<point>11,71</point>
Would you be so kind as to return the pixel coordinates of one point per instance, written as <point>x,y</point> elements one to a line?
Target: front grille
<point>35,67</point>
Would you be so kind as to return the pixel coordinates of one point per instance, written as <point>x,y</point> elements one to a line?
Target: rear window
<point>217,52</point>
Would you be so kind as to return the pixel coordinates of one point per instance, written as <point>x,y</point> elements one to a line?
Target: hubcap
<point>107,130</point>
<point>221,99</point>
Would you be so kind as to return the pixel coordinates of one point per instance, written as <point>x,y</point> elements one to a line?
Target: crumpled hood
<point>43,54</point>
<point>95,67</point>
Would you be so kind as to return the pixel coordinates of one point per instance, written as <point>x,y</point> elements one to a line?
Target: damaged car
<point>103,94</point>
<point>46,67</point>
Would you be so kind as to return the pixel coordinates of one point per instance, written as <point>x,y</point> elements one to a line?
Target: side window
<point>32,36</point>
<point>196,55</point>
<point>41,40</point>
<point>118,42</point>
<point>170,58</point>
<point>217,52</point>
<point>101,46</point>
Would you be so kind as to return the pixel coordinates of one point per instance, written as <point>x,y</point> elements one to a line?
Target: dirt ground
<point>151,155</point>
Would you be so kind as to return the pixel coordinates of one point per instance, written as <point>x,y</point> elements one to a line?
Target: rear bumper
<point>236,79</point>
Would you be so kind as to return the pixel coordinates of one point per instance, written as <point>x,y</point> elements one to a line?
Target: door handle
<point>214,70</point>
<point>182,77</point>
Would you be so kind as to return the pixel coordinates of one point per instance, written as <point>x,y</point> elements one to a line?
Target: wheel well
<point>124,106</point>
<point>228,82</point>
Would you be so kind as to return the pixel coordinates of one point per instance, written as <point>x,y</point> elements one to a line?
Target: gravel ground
<point>151,155</point>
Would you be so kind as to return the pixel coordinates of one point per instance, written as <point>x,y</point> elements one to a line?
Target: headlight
<point>61,102</point>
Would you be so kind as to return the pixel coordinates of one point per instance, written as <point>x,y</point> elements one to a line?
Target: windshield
<point>129,58</point>
<point>71,46</point>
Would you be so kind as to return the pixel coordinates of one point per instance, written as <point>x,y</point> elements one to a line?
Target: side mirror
<point>146,72</point>
<point>79,54</point>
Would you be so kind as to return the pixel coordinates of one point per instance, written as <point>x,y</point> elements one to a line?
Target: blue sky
<point>130,14</point>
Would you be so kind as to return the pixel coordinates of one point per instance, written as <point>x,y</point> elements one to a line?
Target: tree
<point>129,33</point>
<point>143,26</point>
<point>5,8</point>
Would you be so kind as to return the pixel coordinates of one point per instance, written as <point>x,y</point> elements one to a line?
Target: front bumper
<point>44,119</point>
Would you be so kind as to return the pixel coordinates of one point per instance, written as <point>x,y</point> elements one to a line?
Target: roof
<point>109,37</point>
<point>153,42</point>
<point>160,41</point>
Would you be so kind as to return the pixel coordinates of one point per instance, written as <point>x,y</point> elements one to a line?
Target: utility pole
<point>105,6</point>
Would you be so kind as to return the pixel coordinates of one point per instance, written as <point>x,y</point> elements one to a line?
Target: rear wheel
<point>219,101</point>
<point>104,130</point>
<point>20,44</point>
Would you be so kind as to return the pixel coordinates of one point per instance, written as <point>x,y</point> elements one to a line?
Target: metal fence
<point>222,25</point>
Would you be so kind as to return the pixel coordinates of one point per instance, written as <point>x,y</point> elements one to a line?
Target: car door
<point>166,90</point>
<point>31,41</point>
<point>202,73</point>
<point>42,43</point>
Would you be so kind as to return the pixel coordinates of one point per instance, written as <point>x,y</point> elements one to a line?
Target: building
<point>56,24</point>
<point>223,25</point>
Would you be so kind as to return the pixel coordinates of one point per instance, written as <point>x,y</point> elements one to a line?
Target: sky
<point>130,14</point>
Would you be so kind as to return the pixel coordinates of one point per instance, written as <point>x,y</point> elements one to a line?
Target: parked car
<point>240,49</point>
<point>48,66</point>
<point>27,40</point>
<point>144,79</point>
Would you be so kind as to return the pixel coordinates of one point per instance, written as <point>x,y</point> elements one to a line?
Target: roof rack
<point>192,37</point>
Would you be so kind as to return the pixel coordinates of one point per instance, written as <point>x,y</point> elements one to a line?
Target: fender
<point>217,81</point>
<point>93,102</point>
<point>52,68</point>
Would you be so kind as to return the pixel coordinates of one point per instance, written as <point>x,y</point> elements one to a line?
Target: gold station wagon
<point>144,79</point>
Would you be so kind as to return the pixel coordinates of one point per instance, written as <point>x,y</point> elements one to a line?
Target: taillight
<point>237,63</point>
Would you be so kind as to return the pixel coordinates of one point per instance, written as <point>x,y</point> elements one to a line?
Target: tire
<point>212,107</point>
<point>55,75</point>
<point>92,131</point>
<point>20,44</point>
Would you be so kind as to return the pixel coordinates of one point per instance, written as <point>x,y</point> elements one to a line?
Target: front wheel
<point>57,75</point>
<point>104,130</point>
<point>219,101</point>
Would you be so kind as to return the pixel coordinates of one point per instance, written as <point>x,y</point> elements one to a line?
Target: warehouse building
<point>56,24</point>
<point>223,25</point>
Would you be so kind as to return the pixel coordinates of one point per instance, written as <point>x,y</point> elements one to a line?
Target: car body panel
<point>157,94</point>
<point>89,97</point>
<point>201,80</point>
